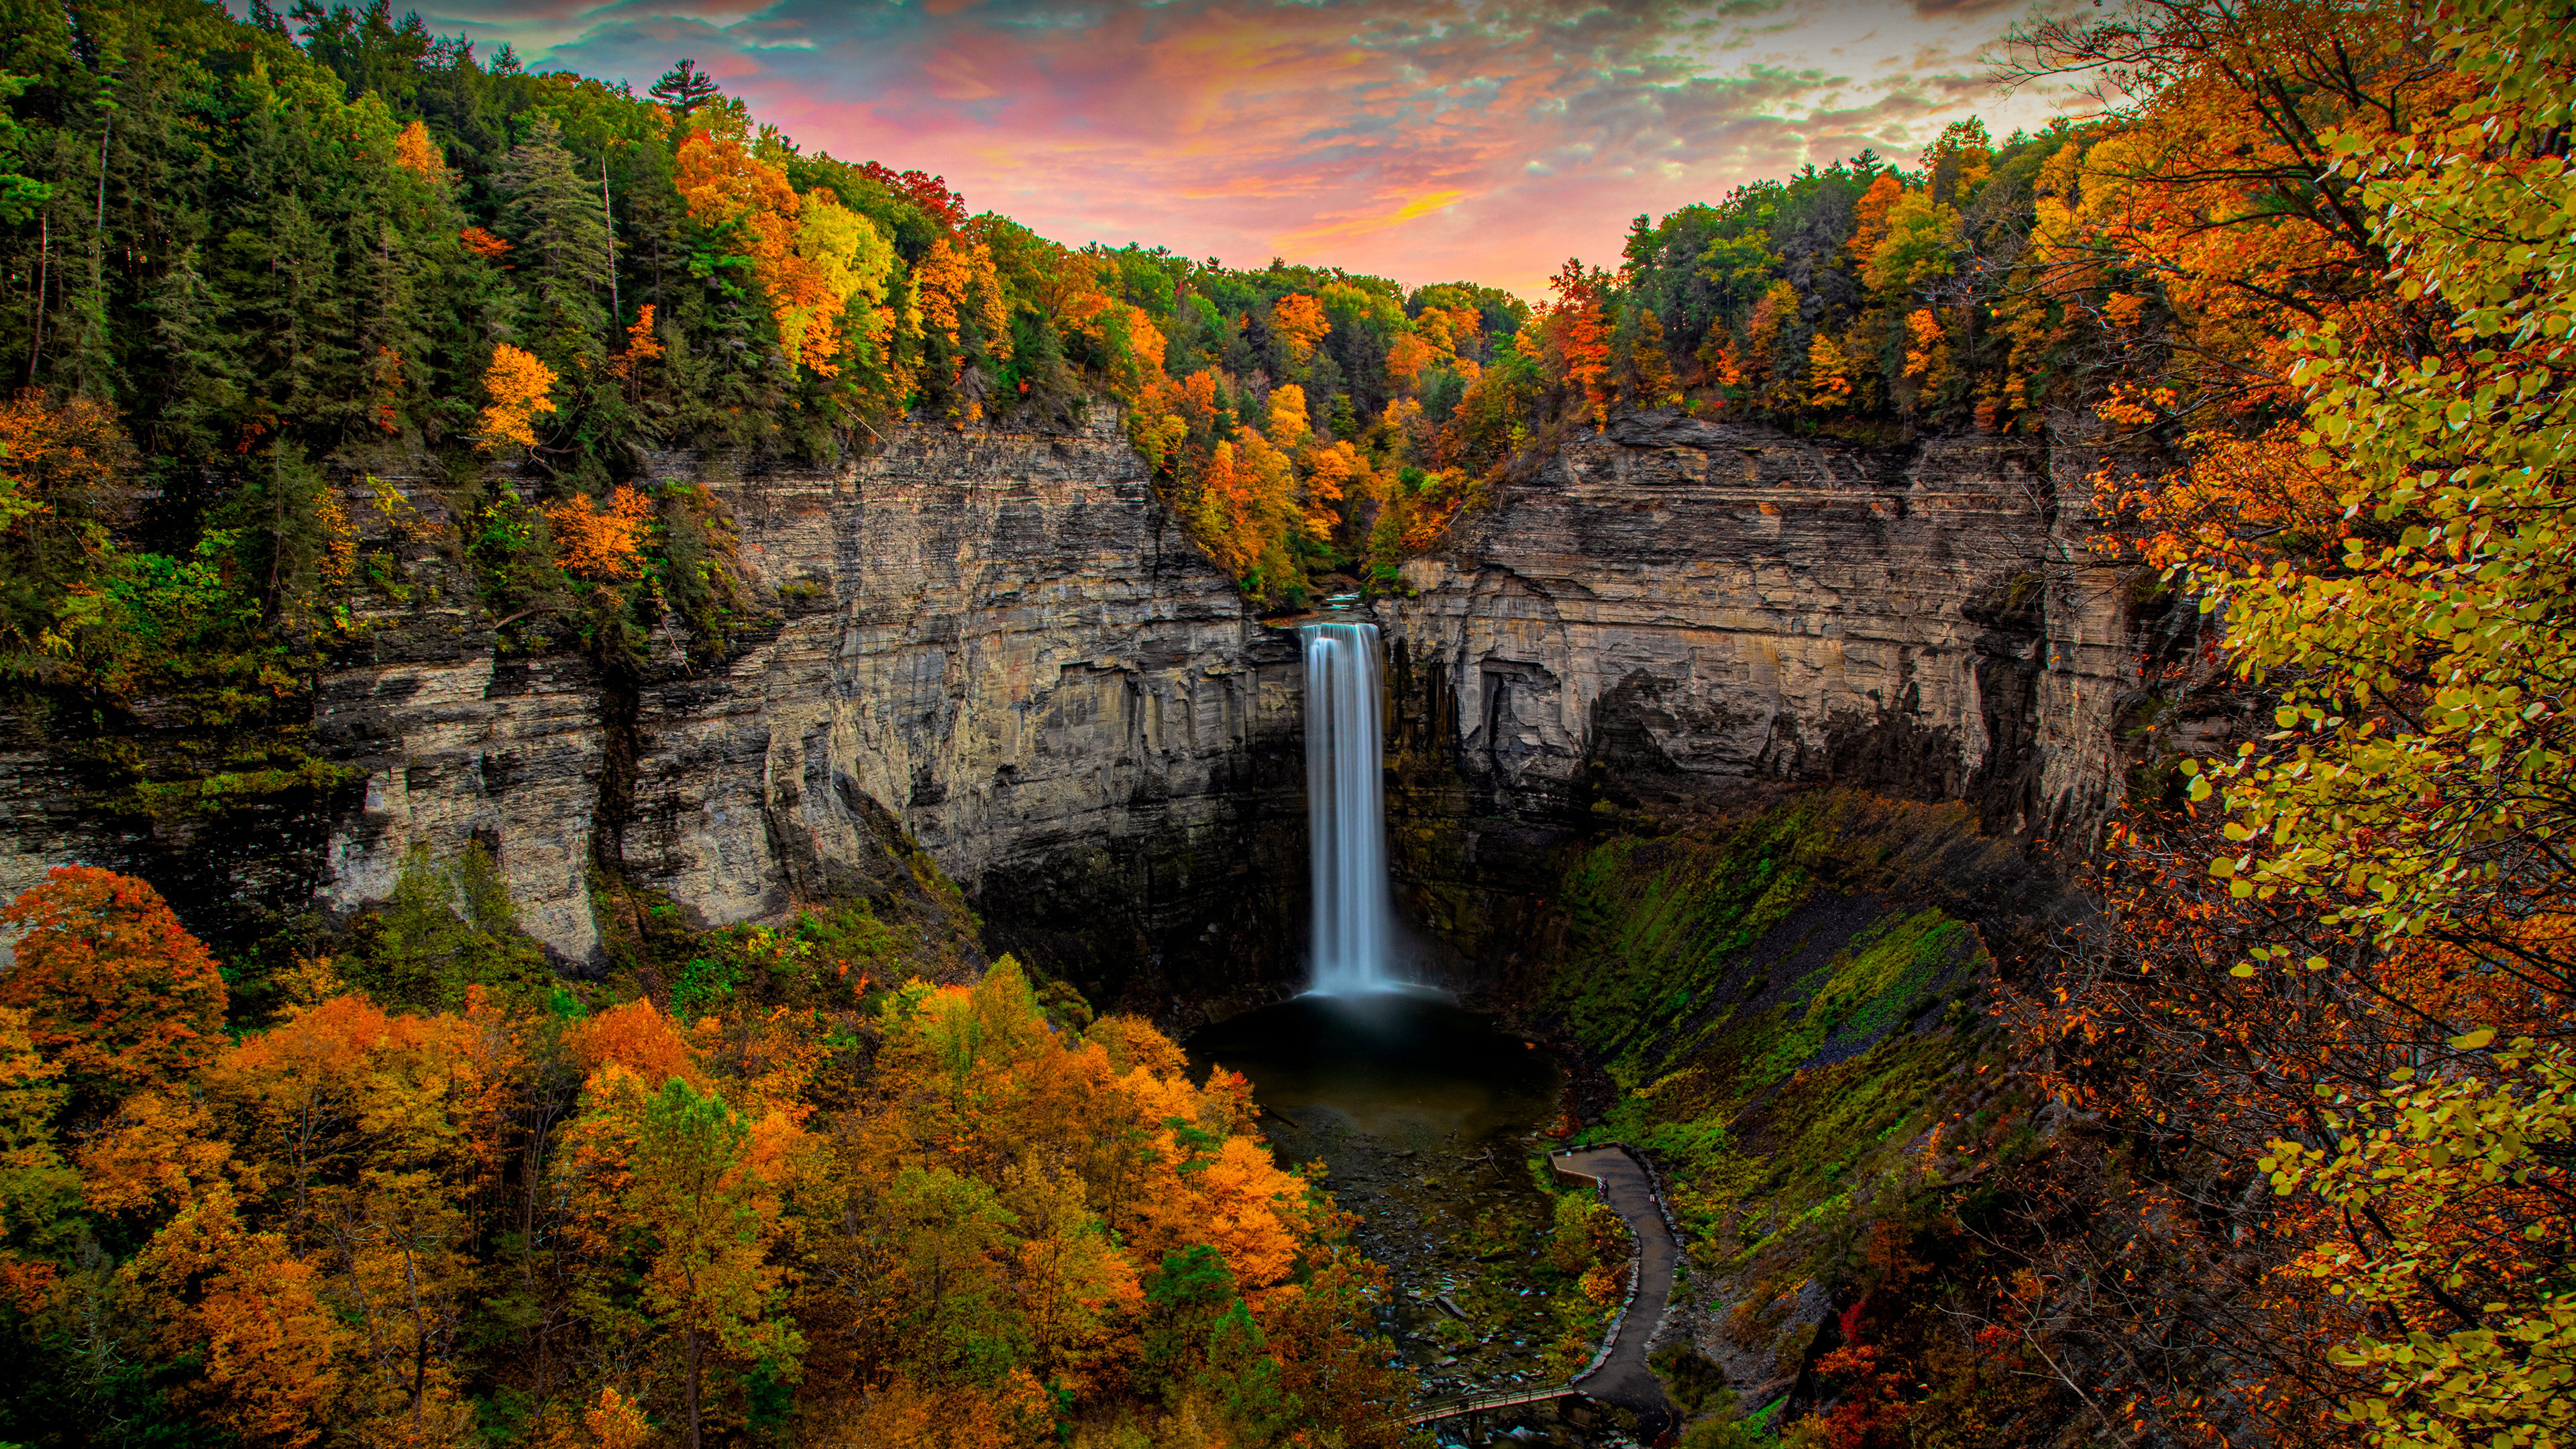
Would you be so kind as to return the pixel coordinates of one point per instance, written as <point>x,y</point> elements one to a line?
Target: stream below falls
<point>1425,1115</point>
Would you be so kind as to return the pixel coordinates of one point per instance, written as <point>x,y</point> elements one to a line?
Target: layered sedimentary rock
<point>997,650</point>
<point>1005,643</point>
<point>989,647</point>
<point>1677,606</point>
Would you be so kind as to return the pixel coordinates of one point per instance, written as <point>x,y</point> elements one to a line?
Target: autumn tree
<point>239,1300</point>
<point>415,152</point>
<point>116,991</point>
<point>2452,1215</point>
<point>963,302</point>
<point>603,542</point>
<point>520,387</point>
<point>1829,382</point>
<point>1578,340</point>
<point>371,1134</point>
<point>2336,909</point>
<point>40,1192</point>
<point>1300,322</point>
<point>676,1167</point>
<point>811,255</point>
<point>2406,784</point>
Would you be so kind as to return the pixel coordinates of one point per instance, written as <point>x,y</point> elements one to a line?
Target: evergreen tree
<point>684,88</point>
<point>200,388</point>
<point>563,243</point>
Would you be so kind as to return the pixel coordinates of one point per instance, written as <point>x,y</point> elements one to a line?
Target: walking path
<point>1619,1375</point>
<point>1465,1405</point>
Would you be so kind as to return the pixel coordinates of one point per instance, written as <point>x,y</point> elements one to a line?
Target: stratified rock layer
<point>996,642</point>
<point>1678,606</point>
<point>998,650</point>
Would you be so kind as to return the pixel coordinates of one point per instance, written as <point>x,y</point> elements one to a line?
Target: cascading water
<point>1345,812</point>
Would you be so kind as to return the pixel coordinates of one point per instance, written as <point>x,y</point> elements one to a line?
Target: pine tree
<point>562,241</point>
<point>201,382</point>
<point>684,88</point>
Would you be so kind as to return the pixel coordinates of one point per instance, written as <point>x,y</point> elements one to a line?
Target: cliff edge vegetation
<point>2267,1145</point>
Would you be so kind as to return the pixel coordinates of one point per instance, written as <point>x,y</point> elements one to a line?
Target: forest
<point>2308,288</point>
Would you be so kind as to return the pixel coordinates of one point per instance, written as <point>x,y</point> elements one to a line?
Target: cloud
<point>1424,139</point>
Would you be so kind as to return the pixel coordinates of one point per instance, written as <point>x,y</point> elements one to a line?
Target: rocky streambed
<point>1427,1119</point>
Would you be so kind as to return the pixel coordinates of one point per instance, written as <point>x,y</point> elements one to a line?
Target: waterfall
<point>1345,811</point>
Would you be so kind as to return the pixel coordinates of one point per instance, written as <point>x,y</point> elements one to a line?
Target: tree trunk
<point>608,217</point>
<point>694,1441</point>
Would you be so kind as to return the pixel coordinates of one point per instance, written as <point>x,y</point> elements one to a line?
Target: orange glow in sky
<point>1426,140</point>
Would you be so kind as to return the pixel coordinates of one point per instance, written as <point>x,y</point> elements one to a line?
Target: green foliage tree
<point>953,1236</point>
<point>1185,1301</point>
<point>684,88</point>
<point>2416,782</point>
<point>557,220</point>
<point>695,1200</point>
<point>447,926</point>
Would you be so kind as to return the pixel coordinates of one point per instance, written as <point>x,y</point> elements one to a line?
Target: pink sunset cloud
<point>1428,140</point>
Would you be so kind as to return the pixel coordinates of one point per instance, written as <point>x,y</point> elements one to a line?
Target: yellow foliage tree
<point>837,258</point>
<point>1829,383</point>
<point>37,1188</point>
<point>813,257</point>
<point>519,386</point>
<point>2465,1181</point>
<point>416,153</point>
<point>1288,422</point>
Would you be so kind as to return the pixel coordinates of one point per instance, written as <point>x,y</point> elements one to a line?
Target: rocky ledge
<point>993,648</point>
<point>998,650</point>
<point>1676,609</point>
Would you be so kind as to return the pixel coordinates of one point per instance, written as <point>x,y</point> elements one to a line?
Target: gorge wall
<point>1680,610</point>
<point>993,648</point>
<point>998,650</point>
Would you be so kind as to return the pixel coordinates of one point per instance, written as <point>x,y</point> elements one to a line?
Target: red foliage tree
<point>922,189</point>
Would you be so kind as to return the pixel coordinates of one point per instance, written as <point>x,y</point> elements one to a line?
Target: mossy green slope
<point>1785,1005</point>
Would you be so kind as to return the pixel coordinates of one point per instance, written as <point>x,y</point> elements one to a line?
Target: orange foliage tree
<point>815,258</point>
<point>116,991</point>
<point>603,543</point>
<point>1578,340</point>
<point>416,153</point>
<point>956,287</point>
<point>520,387</point>
<point>957,1234</point>
<point>1300,322</point>
<point>484,244</point>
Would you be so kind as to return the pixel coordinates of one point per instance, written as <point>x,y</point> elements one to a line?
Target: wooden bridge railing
<point>1439,1409</point>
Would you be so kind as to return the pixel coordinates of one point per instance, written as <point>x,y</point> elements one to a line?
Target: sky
<point>1424,140</point>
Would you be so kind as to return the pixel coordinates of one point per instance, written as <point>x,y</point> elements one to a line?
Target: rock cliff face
<point>997,649</point>
<point>992,648</point>
<point>1679,608</point>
